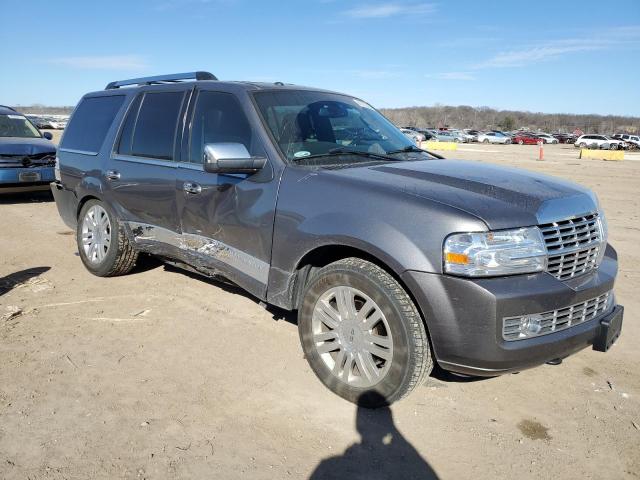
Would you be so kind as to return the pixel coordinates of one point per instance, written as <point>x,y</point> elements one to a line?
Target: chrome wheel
<point>352,336</point>
<point>96,234</point>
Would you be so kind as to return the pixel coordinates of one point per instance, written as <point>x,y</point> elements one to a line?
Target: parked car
<point>447,136</point>
<point>463,136</point>
<point>413,135</point>
<point>428,135</point>
<point>599,141</point>
<point>39,122</point>
<point>27,157</point>
<point>472,133</point>
<point>633,141</point>
<point>394,258</point>
<point>565,137</point>
<point>524,138</point>
<point>546,138</point>
<point>494,137</point>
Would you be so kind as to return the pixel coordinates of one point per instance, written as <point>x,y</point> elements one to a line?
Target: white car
<point>546,138</point>
<point>599,141</point>
<point>633,141</point>
<point>413,135</point>
<point>463,136</point>
<point>494,137</point>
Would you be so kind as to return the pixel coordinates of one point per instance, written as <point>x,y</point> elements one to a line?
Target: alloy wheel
<point>96,234</point>
<point>352,337</point>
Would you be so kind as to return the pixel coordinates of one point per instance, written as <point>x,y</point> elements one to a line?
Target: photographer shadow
<point>382,454</point>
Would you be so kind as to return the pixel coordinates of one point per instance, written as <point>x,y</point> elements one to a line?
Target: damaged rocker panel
<point>203,247</point>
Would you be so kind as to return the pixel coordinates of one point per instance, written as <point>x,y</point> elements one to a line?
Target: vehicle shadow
<point>382,453</point>
<point>8,282</point>
<point>44,196</point>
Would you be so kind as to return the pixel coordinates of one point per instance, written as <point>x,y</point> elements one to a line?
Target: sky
<point>558,56</point>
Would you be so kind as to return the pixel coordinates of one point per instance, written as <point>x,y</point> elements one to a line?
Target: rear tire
<point>362,334</point>
<point>103,245</point>
<point>486,140</point>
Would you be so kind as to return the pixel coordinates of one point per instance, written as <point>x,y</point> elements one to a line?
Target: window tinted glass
<point>217,118</point>
<point>155,129</point>
<point>311,126</point>
<point>90,123</point>
<point>17,126</point>
<point>126,135</point>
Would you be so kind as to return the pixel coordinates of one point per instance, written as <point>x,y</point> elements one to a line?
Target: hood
<point>502,197</point>
<point>25,146</point>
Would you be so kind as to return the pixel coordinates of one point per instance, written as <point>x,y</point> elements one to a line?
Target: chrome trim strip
<point>81,152</point>
<point>204,246</point>
<point>560,319</point>
<point>147,160</point>
<point>191,166</point>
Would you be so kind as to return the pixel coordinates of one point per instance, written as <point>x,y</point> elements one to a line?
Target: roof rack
<point>8,107</point>
<point>174,77</point>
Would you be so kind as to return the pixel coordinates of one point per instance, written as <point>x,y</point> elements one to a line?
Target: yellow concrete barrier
<point>439,145</point>
<point>602,154</point>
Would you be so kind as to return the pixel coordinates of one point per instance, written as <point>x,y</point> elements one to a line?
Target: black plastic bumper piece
<point>610,329</point>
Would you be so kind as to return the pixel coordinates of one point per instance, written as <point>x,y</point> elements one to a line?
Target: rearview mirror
<point>47,135</point>
<point>230,158</point>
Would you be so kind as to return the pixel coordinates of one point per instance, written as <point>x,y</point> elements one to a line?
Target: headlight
<point>604,233</point>
<point>503,252</point>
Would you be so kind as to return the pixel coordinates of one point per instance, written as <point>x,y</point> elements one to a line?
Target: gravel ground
<point>162,374</point>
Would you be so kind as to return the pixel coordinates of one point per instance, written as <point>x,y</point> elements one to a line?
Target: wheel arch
<point>323,255</point>
<point>84,200</point>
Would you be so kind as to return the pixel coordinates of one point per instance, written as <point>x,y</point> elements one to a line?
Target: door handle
<point>112,175</point>
<point>191,187</point>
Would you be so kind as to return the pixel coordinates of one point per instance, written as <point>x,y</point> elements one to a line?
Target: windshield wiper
<point>408,148</point>
<point>334,152</point>
<point>411,148</point>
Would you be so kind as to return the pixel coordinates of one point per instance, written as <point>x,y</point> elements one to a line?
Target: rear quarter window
<point>90,123</point>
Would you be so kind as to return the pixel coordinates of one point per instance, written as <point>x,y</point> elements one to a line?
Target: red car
<point>526,139</point>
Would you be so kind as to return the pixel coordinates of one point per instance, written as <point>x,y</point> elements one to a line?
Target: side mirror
<point>47,135</point>
<point>230,158</point>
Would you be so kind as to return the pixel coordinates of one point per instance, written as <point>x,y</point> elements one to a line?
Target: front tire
<point>103,245</point>
<point>362,334</point>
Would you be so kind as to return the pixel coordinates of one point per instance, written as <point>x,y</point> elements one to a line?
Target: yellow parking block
<point>602,154</point>
<point>440,145</point>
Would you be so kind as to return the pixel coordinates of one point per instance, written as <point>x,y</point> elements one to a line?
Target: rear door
<point>142,169</point>
<point>226,219</point>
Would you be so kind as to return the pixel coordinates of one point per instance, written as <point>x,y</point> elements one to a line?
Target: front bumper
<point>464,317</point>
<point>23,179</point>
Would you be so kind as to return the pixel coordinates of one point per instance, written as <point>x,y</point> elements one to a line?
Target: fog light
<point>530,325</point>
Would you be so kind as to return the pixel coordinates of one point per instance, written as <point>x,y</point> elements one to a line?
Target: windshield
<point>17,126</point>
<point>312,124</point>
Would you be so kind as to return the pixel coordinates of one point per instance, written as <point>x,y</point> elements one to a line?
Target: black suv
<point>312,201</point>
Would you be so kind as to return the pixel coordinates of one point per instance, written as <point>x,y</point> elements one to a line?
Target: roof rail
<point>173,77</point>
<point>8,107</point>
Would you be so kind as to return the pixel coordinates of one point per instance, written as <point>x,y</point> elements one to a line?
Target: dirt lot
<point>160,374</point>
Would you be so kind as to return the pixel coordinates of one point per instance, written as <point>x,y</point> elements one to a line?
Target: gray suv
<point>394,258</point>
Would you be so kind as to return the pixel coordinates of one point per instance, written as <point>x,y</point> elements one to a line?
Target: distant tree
<point>484,118</point>
<point>507,123</point>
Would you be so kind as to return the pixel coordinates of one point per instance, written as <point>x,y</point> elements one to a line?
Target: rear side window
<point>126,135</point>
<point>155,129</point>
<point>90,123</point>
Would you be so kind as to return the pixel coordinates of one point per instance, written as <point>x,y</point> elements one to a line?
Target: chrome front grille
<point>573,245</point>
<point>517,328</point>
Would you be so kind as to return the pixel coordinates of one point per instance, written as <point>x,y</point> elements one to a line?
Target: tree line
<point>479,118</point>
<point>486,118</point>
